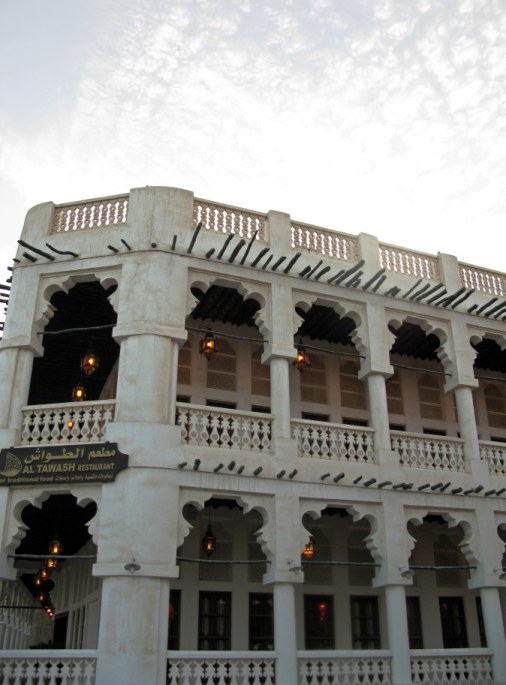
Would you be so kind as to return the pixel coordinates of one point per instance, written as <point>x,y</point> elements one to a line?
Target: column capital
<point>121,331</point>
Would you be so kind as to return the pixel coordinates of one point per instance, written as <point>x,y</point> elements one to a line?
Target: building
<point>283,458</point>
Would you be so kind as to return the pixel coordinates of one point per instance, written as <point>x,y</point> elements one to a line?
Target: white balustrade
<point>220,668</point>
<point>107,211</point>
<point>408,262</point>
<point>451,667</point>
<point>490,282</point>
<point>494,453</point>
<point>65,423</point>
<point>48,667</point>
<point>424,451</point>
<point>227,219</point>
<point>224,428</point>
<point>321,440</point>
<point>323,242</point>
<point>16,622</point>
<point>346,668</point>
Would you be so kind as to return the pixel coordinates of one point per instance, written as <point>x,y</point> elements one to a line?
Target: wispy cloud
<point>359,114</point>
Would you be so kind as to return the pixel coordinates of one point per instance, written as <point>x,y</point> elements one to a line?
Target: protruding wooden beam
<point>436,297</point>
<point>127,245</point>
<point>350,271</point>
<point>320,262</point>
<point>487,304</point>
<point>339,273</point>
<point>236,250</point>
<point>259,256</point>
<point>69,252</point>
<point>225,245</point>
<point>194,237</point>
<point>210,253</point>
<point>174,241</point>
<point>420,292</point>
<point>36,250</point>
<point>431,291</point>
<point>322,272</point>
<point>112,248</point>
<point>373,278</point>
<point>463,298</point>
<point>380,282</point>
<point>277,263</point>
<point>267,261</point>
<point>251,241</point>
<point>291,262</point>
<point>304,271</point>
<point>408,292</point>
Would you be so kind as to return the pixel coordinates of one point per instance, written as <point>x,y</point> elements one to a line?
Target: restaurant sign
<point>88,463</point>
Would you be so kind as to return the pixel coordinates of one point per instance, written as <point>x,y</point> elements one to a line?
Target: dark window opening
<point>453,622</point>
<point>365,623</point>
<point>414,623</point>
<point>481,623</point>
<point>319,621</point>
<point>174,618</point>
<point>261,621</point>
<point>214,620</point>
<point>310,416</point>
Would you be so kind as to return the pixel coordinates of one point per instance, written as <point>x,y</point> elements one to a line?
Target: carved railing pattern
<point>438,667</point>
<point>323,242</point>
<point>224,428</point>
<point>66,423</point>
<point>15,624</point>
<point>424,451</point>
<point>345,668</point>
<point>321,440</point>
<point>48,667</point>
<point>90,214</point>
<point>409,262</point>
<point>218,668</point>
<point>225,219</point>
<point>490,282</point>
<point>494,453</point>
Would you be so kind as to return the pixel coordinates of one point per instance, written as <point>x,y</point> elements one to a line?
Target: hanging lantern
<point>309,549</point>
<point>43,575</point>
<point>78,393</point>
<point>208,542</point>
<point>89,363</point>
<point>51,563</point>
<point>301,361</point>
<point>42,597</point>
<point>207,345</point>
<point>49,611</point>
<point>55,546</point>
<point>70,424</point>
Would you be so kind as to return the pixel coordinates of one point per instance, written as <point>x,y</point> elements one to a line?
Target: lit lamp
<point>78,393</point>
<point>55,546</point>
<point>89,363</point>
<point>51,563</point>
<point>309,549</point>
<point>207,345</point>
<point>208,542</point>
<point>301,361</point>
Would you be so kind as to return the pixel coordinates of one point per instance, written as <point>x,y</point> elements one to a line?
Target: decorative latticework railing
<point>15,623</point>
<point>220,668</point>
<point>408,262</point>
<point>490,282</point>
<point>323,242</point>
<point>451,667</point>
<point>494,453</point>
<point>224,428</point>
<point>48,667</point>
<point>226,219</point>
<point>321,440</point>
<point>66,423</point>
<point>346,668</point>
<point>77,216</point>
<point>424,451</point>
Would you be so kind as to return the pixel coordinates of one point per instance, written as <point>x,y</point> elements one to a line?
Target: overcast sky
<point>383,116</point>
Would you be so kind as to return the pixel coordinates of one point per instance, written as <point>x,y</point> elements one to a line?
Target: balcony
<point>66,423</point>
<point>321,440</point>
<point>48,667</point>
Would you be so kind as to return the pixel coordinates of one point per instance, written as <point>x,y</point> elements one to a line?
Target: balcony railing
<point>322,242</point>
<point>69,422</point>
<point>225,219</point>
<point>352,667</point>
<point>226,428</point>
<point>432,452</point>
<point>48,667</point>
<point>220,668</point>
<point>107,211</point>
<point>321,440</point>
<point>451,667</point>
<point>494,453</point>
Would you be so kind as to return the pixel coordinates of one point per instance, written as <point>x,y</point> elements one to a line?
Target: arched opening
<point>490,397</point>
<point>219,601</point>
<point>59,577</point>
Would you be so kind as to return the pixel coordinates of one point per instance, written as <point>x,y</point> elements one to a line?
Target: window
<point>261,625</point>
<point>365,623</point>
<point>447,553</point>
<point>394,395</point>
<point>311,416</point>
<point>453,622</point>
<point>222,368</point>
<point>260,374</point>
<point>414,622</point>
<point>174,618</point>
<point>352,389</point>
<point>319,621</point>
<point>214,620</point>
<point>184,364</point>
<point>481,622</point>
<point>313,384</point>
<point>496,406</point>
<point>431,398</point>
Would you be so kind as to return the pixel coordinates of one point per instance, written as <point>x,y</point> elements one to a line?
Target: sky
<point>382,116</point>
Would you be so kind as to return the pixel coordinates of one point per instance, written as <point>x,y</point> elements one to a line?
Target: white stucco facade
<point>389,451</point>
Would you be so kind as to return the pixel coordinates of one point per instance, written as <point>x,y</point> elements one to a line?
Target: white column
<point>132,640</point>
<point>467,422</point>
<point>398,640</point>
<point>494,629</point>
<point>285,634</point>
<point>280,396</point>
<point>378,410</point>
